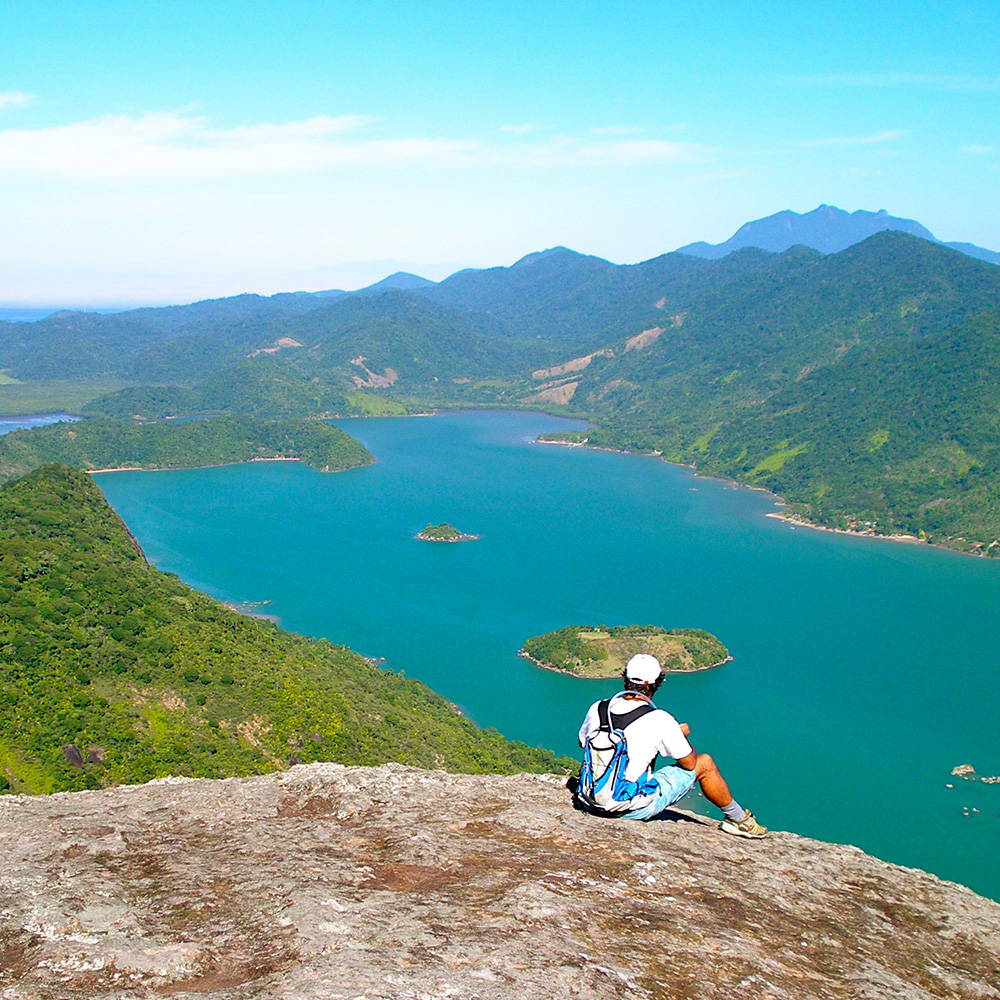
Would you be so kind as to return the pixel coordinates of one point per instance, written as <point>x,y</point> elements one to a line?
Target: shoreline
<point>796,519</point>
<point>217,465</point>
<point>607,677</point>
<point>421,537</point>
<point>793,519</point>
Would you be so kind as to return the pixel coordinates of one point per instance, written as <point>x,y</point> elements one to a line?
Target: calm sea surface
<point>864,670</point>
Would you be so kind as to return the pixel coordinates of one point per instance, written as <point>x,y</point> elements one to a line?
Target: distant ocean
<point>23,315</point>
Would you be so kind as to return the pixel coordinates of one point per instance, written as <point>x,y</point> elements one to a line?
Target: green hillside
<point>104,443</point>
<point>111,671</point>
<point>860,385</point>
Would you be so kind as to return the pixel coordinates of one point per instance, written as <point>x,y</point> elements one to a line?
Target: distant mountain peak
<point>826,228</point>
<point>542,255</point>
<point>402,281</point>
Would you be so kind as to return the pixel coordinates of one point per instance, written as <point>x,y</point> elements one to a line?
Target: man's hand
<point>685,729</point>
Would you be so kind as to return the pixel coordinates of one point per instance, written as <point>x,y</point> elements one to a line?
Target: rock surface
<point>333,882</point>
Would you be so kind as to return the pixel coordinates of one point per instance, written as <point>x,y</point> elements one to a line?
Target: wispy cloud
<point>14,99</point>
<point>976,150</point>
<point>642,151</point>
<point>166,145</point>
<point>857,140</point>
<point>173,147</point>
<point>936,81</point>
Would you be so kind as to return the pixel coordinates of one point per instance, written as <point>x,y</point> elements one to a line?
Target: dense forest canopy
<point>111,671</point>
<point>103,444</point>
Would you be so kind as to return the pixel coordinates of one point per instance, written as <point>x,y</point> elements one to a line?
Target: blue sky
<point>167,151</point>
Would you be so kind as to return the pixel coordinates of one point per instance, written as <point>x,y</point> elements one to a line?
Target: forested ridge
<point>860,385</point>
<point>104,443</point>
<point>115,672</point>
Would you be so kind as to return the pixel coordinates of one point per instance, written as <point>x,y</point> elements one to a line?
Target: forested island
<point>114,672</point>
<point>444,533</point>
<point>601,651</point>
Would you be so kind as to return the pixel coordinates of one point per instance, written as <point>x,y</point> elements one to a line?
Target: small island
<point>600,651</point>
<point>444,533</point>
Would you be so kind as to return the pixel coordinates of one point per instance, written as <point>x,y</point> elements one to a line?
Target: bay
<point>864,670</point>
<point>17,423</point>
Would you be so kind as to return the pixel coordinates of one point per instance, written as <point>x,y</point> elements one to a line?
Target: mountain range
<point>828,229</point>
<point>863,385</point>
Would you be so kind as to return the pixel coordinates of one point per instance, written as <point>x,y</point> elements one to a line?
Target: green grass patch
<point>23,775</point>
<point>701,443</point>
<point>774,462</point>
<point>878,440</point>
<point>376,406</point>
<point>27,398</point>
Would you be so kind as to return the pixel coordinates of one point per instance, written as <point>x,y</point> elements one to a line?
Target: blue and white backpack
<point>602,783</point>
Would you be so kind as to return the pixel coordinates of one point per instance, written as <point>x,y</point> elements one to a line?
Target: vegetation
<point>69,396</point>
<point>602,651</point>
<point>862,386</point>
<point>443,533</point>
<point>111,671</point>
<point>102,444</point>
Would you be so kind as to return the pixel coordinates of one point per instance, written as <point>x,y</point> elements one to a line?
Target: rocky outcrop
<point>333,882</point>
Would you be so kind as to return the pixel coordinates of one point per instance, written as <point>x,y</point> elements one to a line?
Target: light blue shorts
<point>672,784</point>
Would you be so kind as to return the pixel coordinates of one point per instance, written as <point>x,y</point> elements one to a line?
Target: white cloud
<point>858,140</point>
<point>642,151</point>
<point>14,99</point>
<point>167,146</point>
<point>171,147</point>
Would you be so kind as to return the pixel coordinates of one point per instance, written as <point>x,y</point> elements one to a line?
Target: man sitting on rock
<point>640,792</point>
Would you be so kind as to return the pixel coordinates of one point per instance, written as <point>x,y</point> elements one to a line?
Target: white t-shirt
<point>657,732</point>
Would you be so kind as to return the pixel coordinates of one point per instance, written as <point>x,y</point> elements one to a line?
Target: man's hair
<point>642,687</point>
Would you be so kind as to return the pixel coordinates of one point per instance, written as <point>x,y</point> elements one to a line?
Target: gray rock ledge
<point>334,882</point>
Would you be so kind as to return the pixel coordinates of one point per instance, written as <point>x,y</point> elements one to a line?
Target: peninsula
<point>103,444</point>
<point>444,533</point>
<point>600,651</point>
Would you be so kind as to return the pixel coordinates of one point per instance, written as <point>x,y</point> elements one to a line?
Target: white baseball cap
<point>643,669</point>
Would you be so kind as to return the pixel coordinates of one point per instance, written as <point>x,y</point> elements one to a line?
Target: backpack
<point>602,784</point>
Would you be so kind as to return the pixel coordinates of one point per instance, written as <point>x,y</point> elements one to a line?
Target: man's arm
<point>687,762</point>
<point>590,725</point>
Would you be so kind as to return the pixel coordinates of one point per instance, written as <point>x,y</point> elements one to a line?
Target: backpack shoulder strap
<point>603,719</point>
<point>622,721</point>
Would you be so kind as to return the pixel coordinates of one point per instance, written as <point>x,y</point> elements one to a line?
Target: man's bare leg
<point>713,785</point>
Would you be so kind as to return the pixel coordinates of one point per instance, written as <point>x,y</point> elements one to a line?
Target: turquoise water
<point>864,670</point>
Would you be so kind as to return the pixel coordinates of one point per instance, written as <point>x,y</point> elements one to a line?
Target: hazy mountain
<point>401,281</point>
<point>980,253</point>
<point>828,229</point>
